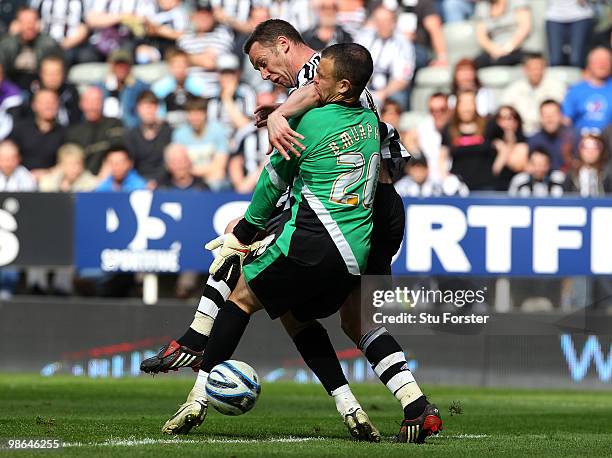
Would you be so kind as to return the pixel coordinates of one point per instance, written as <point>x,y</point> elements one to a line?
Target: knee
<point>351,328</point>
<point>295,327</point>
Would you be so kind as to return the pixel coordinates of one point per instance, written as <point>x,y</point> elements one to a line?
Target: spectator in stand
<point>554,137</point>
<point>204,44</point>
<point>10,102</point>
<point>512,152</point>
<point>179,176</point>
<point>173,89</point>
<point>117,24</point>
<point>352,15</point>
<point>65,23</point>
<point>21,54</point>
<point>502,26</point>
<point>162,31</point>
<point>590,178</point>
<point>419,22</point>
<point>235,104</point>
<point>568,22</point>
<point>70,174</point>
<point>326,32</point>
<point>13,178</point>
<point>52,76</point>
<point>538,180</point>
<point>146,142</point>
<point>122,176</point>
<point>232,15</point>
<point>417,181</point>
<point>298,13</point>
<point>96,134</point>
<point>429,134</point>
<point>465,78</point>
<point>588,103</point>
<point>391,113</point>
<point>121,89</point>
<point>457,10</point>
<point>248,158</point>
<point>393,58</point>
<point>464,142</point>
<point>207,143</point>
<point>39,136</point>
<point>527,94</point>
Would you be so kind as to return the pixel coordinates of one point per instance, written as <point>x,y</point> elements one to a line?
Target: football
<point>233,387</point>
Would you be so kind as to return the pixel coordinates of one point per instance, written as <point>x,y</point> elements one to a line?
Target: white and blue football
<point>232,387</point>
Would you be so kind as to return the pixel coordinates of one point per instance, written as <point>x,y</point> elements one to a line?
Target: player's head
<point>343,72</point>
<point>270,49</point>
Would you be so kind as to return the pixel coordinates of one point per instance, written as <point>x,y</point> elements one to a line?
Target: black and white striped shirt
<point>245,99</point>
<point>252,144</point>
<point>524,185</point>
<point>390,146</point>
<point>220,41</point>
<point>60,18</point>
<point>143,8</point>
<point>238,9</point>
<point>298,13</point>
<point>393,58</point>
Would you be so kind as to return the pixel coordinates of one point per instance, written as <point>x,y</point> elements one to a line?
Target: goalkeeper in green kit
<point>323,243</point>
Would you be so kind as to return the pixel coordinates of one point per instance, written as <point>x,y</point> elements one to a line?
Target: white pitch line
<point>149,441</point>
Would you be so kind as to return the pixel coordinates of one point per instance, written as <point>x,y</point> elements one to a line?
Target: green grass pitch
<point>123,418</point>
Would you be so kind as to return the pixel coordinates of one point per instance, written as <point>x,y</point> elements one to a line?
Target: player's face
<point>271,64</point>
<point>324,80</point>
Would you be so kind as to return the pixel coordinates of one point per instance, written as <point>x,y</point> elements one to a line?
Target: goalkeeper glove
<point>228,261</point>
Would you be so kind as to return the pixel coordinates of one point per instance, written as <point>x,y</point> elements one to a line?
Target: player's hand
<point>263,111</point>
<point>228,261</point>
<point>282,137</point>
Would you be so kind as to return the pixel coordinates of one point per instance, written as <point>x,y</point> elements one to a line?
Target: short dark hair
<point>118,148</point>
<point>146,96</point>
<point>53,58</point>
<point>267,32</point>
<point>532,55</point>
<point>171,53</point>
<point>352,62</point>
<point>540,150</point>
<point>550,102</point>
<point>195,103</point>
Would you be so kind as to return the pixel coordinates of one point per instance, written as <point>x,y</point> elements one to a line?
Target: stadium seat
<point>439,78</point>
<point>149,73</point>
<point>568,75</point>
<point>461,41</point>
<point>499,76</point>
<point>411,119</point>
<point>85,74</point>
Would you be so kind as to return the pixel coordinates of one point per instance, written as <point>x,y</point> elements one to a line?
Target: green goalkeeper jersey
<point>332,187</point>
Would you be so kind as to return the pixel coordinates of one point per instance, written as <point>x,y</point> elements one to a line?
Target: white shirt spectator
<point>20,180</point>
<point>526,99</point>
<point>430,141</point>
<point>568,10</point>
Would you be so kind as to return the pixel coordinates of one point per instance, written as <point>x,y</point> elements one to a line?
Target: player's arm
<point>280,134</point>
<point>275,177</point>
<point>236,245</point>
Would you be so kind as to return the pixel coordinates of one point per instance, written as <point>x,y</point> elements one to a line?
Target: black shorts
<point>309,290</point>
<point>388,223</point>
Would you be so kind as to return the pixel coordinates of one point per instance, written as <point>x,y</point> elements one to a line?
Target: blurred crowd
<point>115,95</point>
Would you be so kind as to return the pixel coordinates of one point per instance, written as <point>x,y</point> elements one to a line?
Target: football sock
<point>225,335</point>
<point>346,402</point>
<point>319,355</point>
<point>389,363</point>
<point>199,389</point>
<point>213,298</point>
